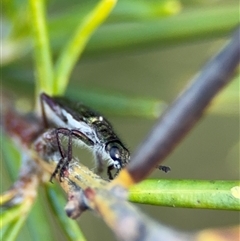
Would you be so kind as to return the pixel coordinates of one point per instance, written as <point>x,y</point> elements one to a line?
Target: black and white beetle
<point>87,128</point>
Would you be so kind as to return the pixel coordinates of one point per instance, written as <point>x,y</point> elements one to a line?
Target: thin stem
<point>198,24</point>
<point>220,195</point>
<point>118,104</point>
<point>14,228</point>
<point>15,212</point>
<point>77,43</point>
<point>43,56</point>
<point>110,204</point>
<point>185,111</point>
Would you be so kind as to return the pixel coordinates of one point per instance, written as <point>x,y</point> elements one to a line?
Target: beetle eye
<point>114,153</point>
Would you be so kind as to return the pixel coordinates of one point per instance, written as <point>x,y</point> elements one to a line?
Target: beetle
<point>84,126</point>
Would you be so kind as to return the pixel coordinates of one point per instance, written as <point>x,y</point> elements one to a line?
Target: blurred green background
<point>143,64</point>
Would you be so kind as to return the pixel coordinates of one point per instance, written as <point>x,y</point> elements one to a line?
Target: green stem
<point>188,194</point>
<point>38,213</point>
<point>77,43</point>
<point>190,25</point>
<point>118,104</point>
<point>14,213</point>
<point>43,57</point>
<point>13,229</point>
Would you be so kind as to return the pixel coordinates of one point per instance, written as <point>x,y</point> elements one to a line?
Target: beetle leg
<point>66,158</point>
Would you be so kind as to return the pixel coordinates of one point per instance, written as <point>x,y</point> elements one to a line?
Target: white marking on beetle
<point>71,124</point>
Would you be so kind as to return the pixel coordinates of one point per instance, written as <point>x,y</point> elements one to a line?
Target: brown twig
<point>186,110</point>
<point>87,190</point>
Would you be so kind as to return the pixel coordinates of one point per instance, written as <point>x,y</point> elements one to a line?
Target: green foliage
<point>132,26</point>
<point>187,193</point>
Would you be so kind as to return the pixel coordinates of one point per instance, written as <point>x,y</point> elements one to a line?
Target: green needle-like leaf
<point>43,56</point>
<point>121,33</point>
<point>13,229</point>
<point>14,213</point>
<point>39,215</point>
<point>104,101</point>
<point>77,43</point>
<point>118,104</point>
<point>69,226</point>
<point>194,25</point>
<point>188,194</point>
<point>143,10</point>
<point>11,159</point>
